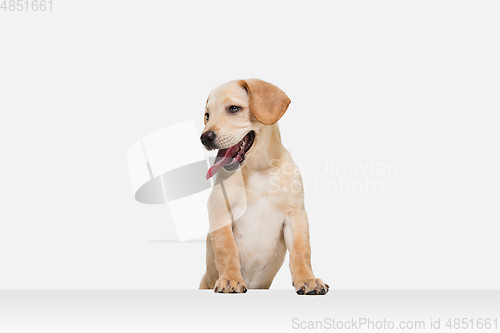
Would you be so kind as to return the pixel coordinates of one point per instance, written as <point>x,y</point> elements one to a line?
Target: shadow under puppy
<point>259,214</point>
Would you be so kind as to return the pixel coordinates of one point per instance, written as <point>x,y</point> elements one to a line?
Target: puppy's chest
<point>264,208</point>
<point>259,229</point>
<point>264,187</point>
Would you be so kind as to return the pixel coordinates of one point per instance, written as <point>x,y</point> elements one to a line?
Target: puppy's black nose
<point>207,139</point>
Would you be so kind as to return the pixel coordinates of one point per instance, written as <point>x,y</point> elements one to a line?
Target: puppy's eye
<point>234,108</point>
<point>207,116</point>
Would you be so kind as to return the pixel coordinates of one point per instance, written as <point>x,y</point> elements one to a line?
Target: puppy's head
<point>235,113</point>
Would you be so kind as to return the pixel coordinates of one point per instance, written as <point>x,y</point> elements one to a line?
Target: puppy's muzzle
<point>208,140</point>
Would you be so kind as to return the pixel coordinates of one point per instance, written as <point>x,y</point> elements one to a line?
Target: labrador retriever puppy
<point>250,231</point>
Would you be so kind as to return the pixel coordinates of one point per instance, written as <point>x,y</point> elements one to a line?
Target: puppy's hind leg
<point>204,283</point>
<point>211,275</point>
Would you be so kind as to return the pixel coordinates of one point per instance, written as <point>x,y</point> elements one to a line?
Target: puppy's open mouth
<point>230,158</point>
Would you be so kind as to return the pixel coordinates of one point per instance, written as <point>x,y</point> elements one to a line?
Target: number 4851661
<point>472,323</point>
<point>26,5</point>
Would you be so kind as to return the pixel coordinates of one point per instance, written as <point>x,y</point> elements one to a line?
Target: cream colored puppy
<point>250,233</point>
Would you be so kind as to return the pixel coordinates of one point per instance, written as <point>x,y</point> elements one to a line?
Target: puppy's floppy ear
<point>268,103</point>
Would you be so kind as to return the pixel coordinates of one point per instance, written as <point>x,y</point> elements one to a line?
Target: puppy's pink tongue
<point>217,166</point>
<point>224,156</point>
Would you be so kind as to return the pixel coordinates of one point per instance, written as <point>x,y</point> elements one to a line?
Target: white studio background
<point>411,86</point>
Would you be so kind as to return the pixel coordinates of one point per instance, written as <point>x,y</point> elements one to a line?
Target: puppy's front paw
<point>311,287</point>
<point>230,285</point>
